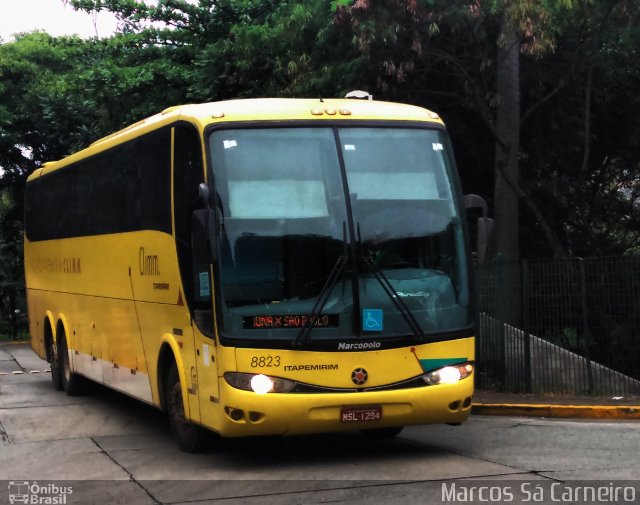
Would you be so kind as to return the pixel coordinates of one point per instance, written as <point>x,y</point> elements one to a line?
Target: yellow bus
<point>258,267</point>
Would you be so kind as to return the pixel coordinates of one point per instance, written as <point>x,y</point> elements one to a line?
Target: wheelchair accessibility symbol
<point>372,319</point>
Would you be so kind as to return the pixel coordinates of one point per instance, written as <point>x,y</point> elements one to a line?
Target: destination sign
<point>289,321</point>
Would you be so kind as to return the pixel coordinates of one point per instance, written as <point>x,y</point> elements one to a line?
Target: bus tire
<point>381,433</point>
<point>56,370</point>
<point>71,381</point>
<point>189,437</point>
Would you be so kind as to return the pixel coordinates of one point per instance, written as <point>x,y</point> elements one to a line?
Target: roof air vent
<point>359,94</point>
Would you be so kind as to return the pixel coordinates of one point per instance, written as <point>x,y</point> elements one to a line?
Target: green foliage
<point>12,304</point>
<point>582,150</point>
<point>579,82</point>
<point>577,141</point>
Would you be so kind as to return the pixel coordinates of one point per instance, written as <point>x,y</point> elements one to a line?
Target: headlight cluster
<point>258,383</point>
<point>450,374</point>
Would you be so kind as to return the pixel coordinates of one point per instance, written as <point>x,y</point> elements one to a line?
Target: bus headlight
<point>258,383</point>
<point>451,374</point>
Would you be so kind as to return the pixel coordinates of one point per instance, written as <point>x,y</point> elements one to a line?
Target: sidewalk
<point>556,405</point>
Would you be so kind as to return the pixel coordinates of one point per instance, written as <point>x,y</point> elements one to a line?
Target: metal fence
<point>560,326</point>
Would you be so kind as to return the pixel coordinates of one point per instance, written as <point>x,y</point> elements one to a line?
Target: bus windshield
<point>361,223</point>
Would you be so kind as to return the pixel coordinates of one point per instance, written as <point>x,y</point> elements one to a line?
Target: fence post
<point>586,333</point>
<point>526,326</point>
<point>499,314</point>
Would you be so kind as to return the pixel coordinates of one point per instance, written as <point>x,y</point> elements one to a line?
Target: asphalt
<point>492,403</point>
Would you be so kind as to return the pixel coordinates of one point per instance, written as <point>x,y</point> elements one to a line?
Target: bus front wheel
<point>190,437</point>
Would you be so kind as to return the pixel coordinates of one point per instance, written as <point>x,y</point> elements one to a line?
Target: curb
<point>626,412</point>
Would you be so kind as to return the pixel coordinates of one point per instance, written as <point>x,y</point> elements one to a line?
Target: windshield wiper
<point>388,288</point>
<point>325,292</point>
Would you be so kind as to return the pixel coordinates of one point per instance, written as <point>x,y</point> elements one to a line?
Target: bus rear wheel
<point>190,437</point>
<point>71,382</point>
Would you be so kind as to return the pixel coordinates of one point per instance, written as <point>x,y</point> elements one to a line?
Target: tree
<point>12,306</point>
<point>31,95</point>
<point>478,44</point>
<point>244,49</point>
<point>57,95</point>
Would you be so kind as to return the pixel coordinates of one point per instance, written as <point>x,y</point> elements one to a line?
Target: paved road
<point>123,452</point>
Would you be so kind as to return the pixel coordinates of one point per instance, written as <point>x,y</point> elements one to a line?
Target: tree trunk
<point>508,130</point>
<point>506,201</point>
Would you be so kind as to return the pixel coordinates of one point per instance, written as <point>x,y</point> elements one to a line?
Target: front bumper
<point>245,413</point>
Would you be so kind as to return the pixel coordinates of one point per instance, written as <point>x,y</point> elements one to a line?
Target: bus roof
<point>255,109</point>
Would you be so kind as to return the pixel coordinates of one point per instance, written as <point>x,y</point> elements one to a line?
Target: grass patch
<point>22,337</point>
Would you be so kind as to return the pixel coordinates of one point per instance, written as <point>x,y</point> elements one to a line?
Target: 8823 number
<point>265,361</point>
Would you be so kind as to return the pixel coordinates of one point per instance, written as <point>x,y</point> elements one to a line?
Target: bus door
<point>202,377</point>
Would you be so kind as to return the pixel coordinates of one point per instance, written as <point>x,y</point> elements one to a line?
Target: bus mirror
<point>476,202</point>
<point>485,230</point>
<point>203,193</point>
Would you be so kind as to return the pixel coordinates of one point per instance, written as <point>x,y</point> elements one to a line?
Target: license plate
<point>360,414</point>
